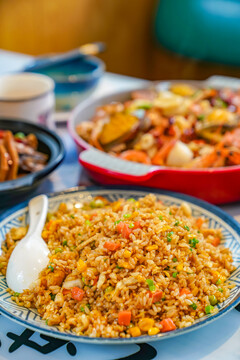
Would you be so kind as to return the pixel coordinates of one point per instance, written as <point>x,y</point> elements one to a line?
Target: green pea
<point>208,309</point>
<point>213,300</point>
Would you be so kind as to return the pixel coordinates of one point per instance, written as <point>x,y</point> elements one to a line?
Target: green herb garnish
<point>218,282</point>
<point>208,309</point>
<point>221,103</point>
<point>16,294</point>
<point>151,285</point>
<point>51,267</point>
<point>52,296</point>
<point>169,236</point>
<point>119,267</point>
<point>160,217</point>
<point>174,260</point>
<point>220,289</point>
<point>108,289</point>
<point>201,117</point>
<point>176,223</point>
<point>64,243</point>
<point>117,222</point>
<point>58,250</point>
<point>175,274</point>
<point>20,135</point>
<point>88,223</point>
<point>126,216</point>
<point>193,242</point>
<point>193,306</point>
<point>145,106</point>
<point>131,226</point>
<point>186,227</point>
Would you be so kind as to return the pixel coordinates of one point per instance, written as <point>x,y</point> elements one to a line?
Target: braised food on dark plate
<point>183,126</point>
<point>19,155</point>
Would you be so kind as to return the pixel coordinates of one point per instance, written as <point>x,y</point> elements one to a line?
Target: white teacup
<point>27,96</point>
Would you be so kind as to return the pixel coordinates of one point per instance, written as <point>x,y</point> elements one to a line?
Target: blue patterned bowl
<point>74,80</point>
<point>217,218</point>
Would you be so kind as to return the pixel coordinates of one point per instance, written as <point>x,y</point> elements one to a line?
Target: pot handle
<point>104,163</point>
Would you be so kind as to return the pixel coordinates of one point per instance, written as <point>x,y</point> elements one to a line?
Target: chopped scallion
<point>151,285</point>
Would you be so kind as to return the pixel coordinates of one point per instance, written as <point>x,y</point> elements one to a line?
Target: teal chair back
<point>202,29</point>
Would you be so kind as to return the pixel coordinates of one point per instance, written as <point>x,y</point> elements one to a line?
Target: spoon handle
<point>37,208</point>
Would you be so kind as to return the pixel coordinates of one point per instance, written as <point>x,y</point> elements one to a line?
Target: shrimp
<point>160,157</point>
<point>135,155</point>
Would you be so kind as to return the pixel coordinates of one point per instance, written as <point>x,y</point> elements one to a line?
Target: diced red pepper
<point>112,246</point>
<point>156,296</point>
<point>77,293</point>
<point>124,229</point>
<point>137,225</point>
<point>184,291</point>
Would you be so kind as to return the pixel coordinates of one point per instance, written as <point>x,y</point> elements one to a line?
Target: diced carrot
<point>66,291</point>
<point>49,224</point>
<point>156,296</point>
<point>167,325</point>
<point>215,241</point>
<point>136,225</point>
<point>184,291</point>
<point>124,317</point>
<point>95,280</point>
<point>123,229</point>
<point>77,293</point>
<point>92,216</point>
<point>111,246</point>
<point>199,222</point>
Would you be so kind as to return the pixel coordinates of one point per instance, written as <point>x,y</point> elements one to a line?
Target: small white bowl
<point>27,96</point>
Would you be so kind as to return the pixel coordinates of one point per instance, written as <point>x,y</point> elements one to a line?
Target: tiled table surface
<point>219,340</point>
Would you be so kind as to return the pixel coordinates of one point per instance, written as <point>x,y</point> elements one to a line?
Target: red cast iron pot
<point>216,185</point>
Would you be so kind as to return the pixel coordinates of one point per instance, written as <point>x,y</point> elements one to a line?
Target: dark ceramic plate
<point>49,143</point>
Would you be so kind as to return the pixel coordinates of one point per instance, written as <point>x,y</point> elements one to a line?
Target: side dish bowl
<point>48,142</point>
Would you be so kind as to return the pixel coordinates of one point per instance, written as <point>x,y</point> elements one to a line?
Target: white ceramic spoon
<point>30,256</point>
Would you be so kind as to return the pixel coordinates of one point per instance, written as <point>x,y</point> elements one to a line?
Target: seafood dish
<point>185,127</point>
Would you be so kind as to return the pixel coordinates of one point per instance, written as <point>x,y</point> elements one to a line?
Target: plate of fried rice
<point>126,265</point>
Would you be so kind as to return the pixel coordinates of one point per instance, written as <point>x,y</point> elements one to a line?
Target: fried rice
<point>127,268</point>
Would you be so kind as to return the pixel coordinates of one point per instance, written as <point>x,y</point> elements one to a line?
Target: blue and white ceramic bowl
<point>74,80</point>
<point>217,218</point>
